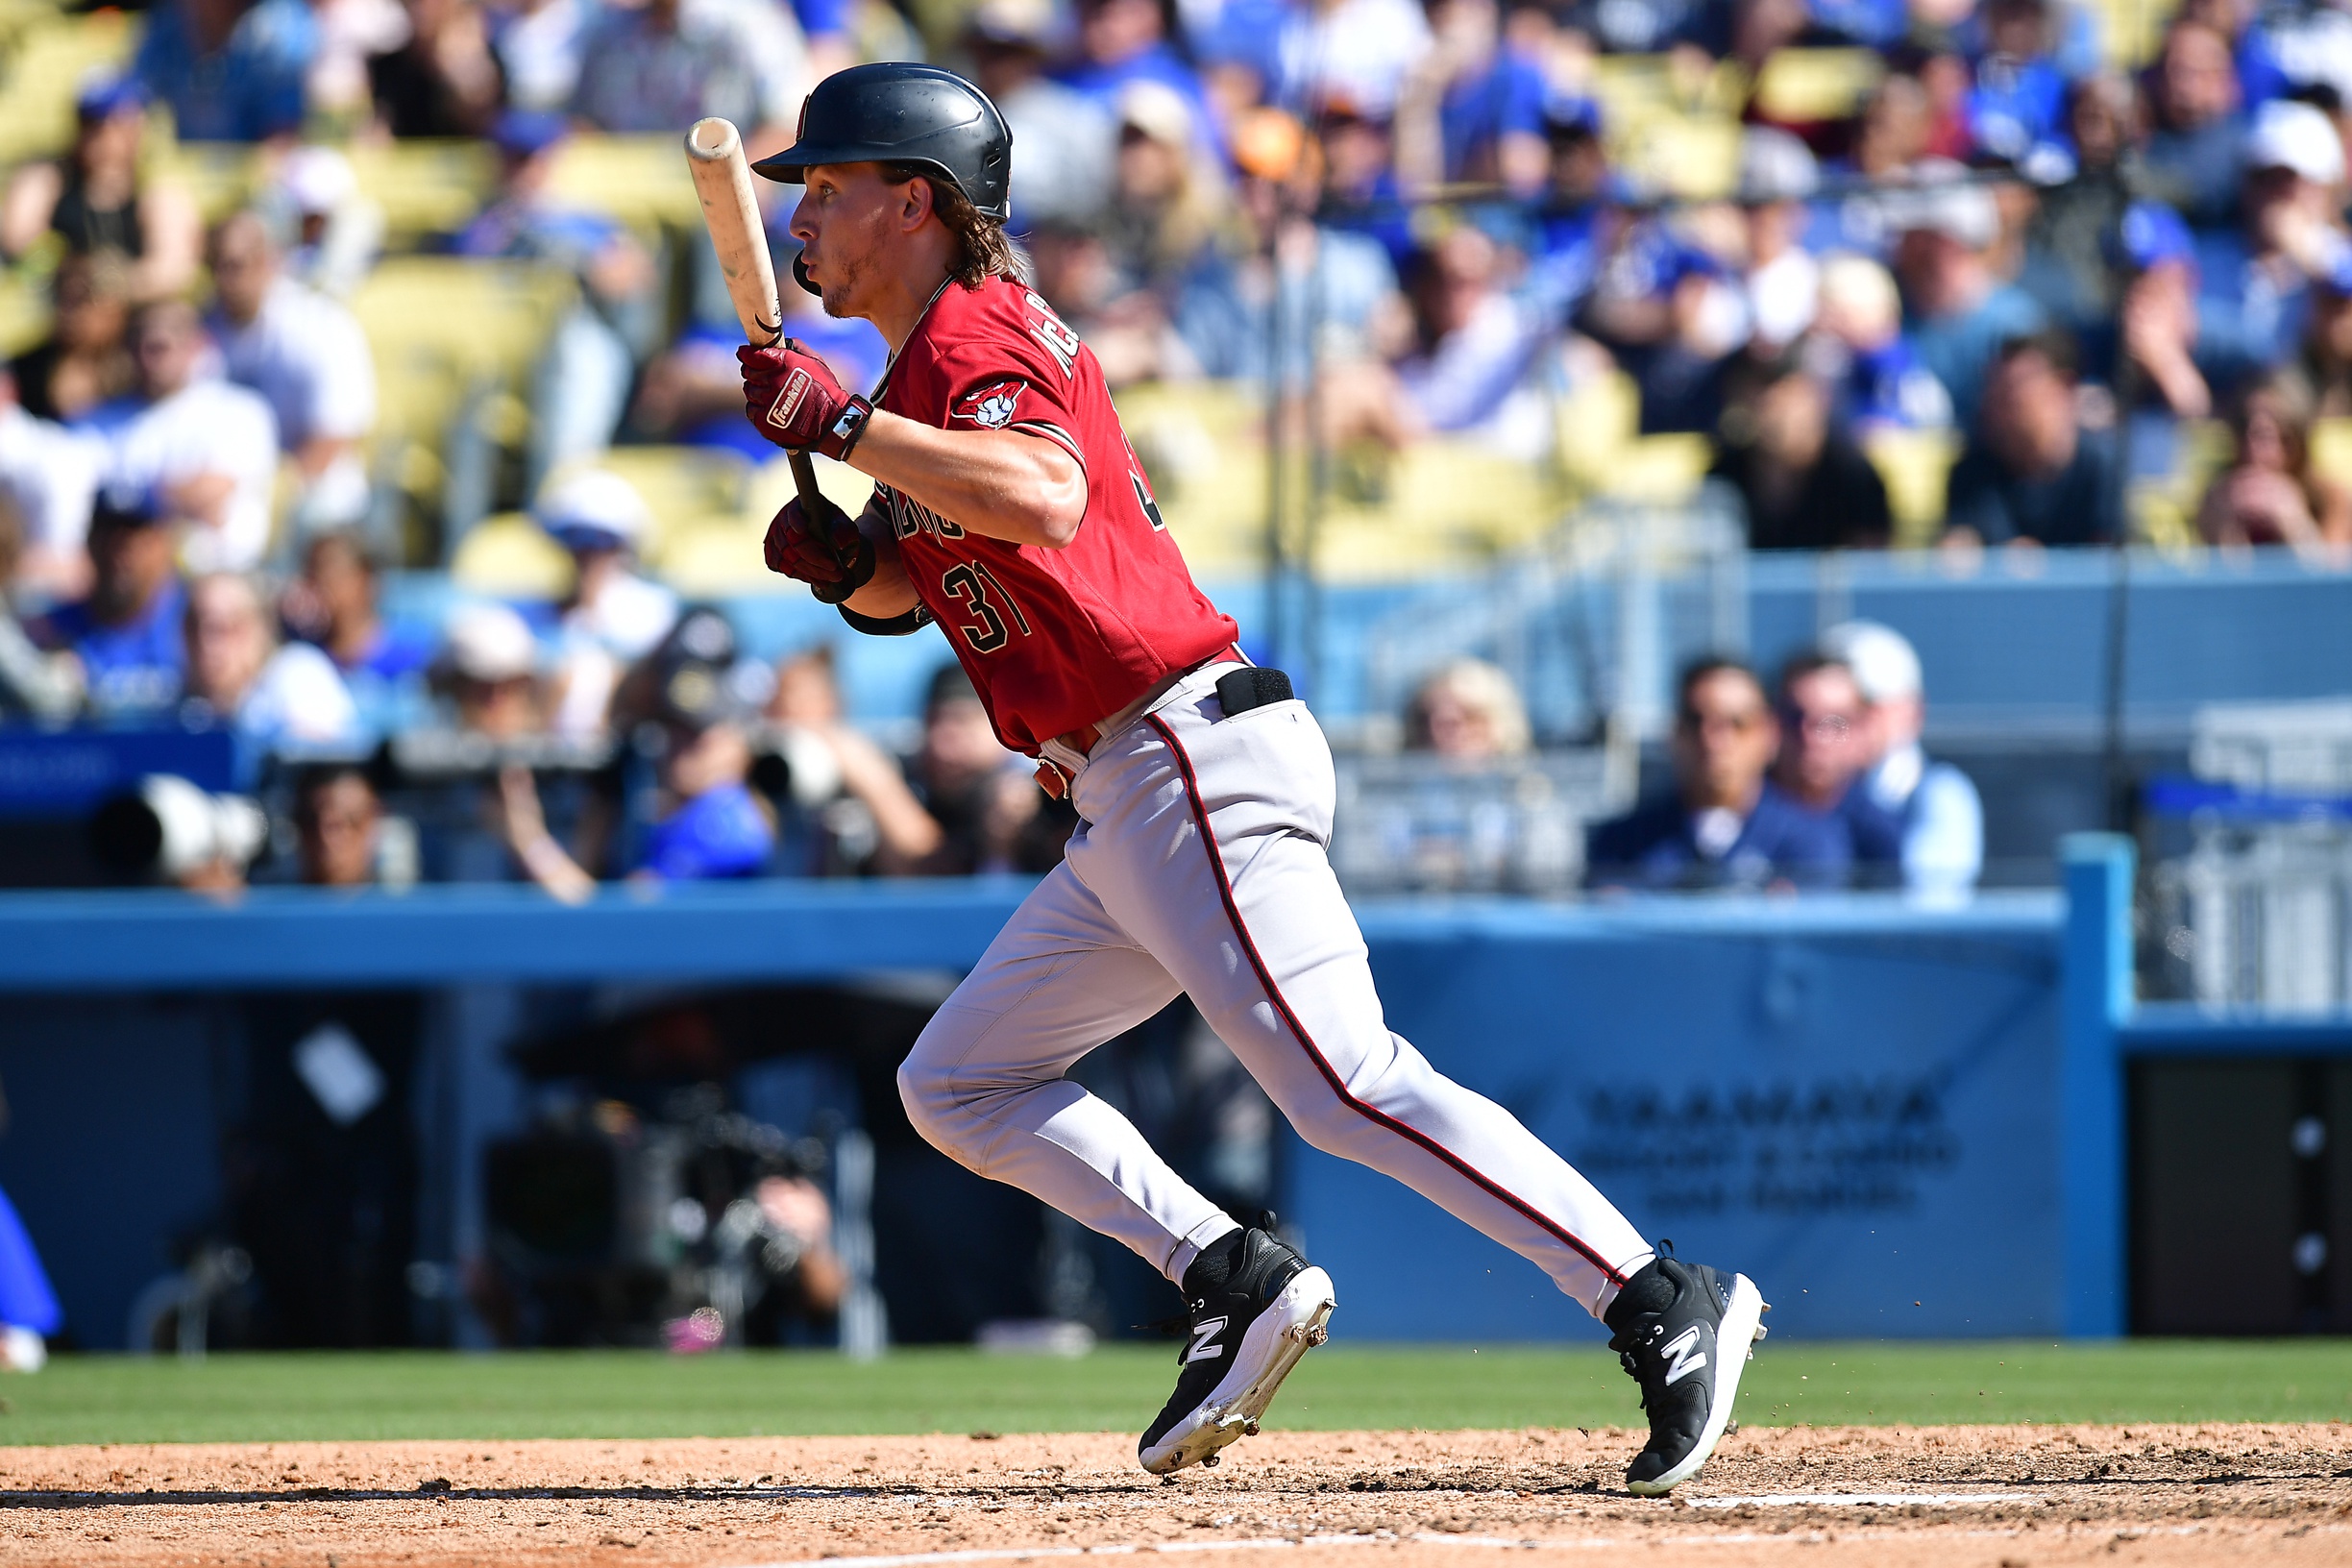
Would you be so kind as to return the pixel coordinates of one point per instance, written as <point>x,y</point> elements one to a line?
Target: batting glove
<point>828,551</point>
<point>792,398</point>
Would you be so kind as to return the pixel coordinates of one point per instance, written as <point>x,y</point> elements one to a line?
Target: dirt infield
<point>1953,1496</point>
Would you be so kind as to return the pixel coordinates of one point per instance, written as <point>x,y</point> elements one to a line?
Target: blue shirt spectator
<point>723,832</point>
<point>1913,819</point>
<point>1726,825</point>
<point>1958,311</point>
<point>127,631</point>
<point>1223,312</point>
<point>230,73</point>
<point>2192,151</point>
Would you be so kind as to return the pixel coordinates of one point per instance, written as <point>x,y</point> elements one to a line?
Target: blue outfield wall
<point>1852,1099</point>
<point>1854,1102</point>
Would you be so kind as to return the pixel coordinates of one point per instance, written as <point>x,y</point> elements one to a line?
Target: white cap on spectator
<point>594,508</point>
<point>1158,110</point>
<point>1947,202</point>
<point>2297,136</point>
<point>1885,666</point>
<point>317,179</point>
<point>491,643</point>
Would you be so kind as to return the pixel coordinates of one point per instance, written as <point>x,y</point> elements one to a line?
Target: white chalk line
<point>1278,1543</point>
<point>1865,1500</point>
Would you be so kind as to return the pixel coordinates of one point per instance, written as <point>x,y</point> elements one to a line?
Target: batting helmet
<point>895,112</point>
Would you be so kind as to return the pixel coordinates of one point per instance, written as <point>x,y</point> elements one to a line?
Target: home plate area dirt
<point>1950,1497</point>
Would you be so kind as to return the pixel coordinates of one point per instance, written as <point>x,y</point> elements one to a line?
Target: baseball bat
<point>731,212</point>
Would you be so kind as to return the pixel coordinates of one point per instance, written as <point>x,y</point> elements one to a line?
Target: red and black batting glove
<point>828,551</point>
<point>792,398</point>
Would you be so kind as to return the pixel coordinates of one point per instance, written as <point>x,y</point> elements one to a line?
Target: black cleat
<point>1241,1341</point>
<point>1683,1332</point>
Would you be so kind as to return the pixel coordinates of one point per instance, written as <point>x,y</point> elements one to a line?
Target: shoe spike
<point>1210,1462</point>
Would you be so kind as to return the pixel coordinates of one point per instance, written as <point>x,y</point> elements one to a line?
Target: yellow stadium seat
<point>1665,470</point>
<point>510,557</point>
<point>1914,465</point>
<point>1797,85</point>
<point>423,186</point>
<point>24,313</point>
<point>42,72</point>
<point>220,176</point>
<point>1692,155</point>
<point>1594,424</point>
<point>2331,448</point>
<point>640,181</point>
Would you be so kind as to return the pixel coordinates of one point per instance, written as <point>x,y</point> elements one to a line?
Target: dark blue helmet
<point>896,112</point>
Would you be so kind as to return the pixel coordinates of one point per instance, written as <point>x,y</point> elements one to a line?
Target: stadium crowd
<point>1417,217</point>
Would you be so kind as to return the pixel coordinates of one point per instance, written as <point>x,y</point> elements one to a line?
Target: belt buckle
<point>1052,779</point>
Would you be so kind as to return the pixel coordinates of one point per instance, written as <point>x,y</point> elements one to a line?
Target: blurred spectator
<point>1354,52</point>
<point>442,79</point>
<point>656,66</point>
<point>848,796</point>
<point>34,683</point>
<point>1727,825</point>
<point>349,34</point>
<point>1470,110</point>
<point>210,447</point>
<point>1909,815</point>
<point>582,383</point>
<point>1782,278</point>
<point>334,605</point>
<point>712,825</point>
<point>126,631</point>
<point>1960,311</point>
<point>1362,193</point>
<point>94,198</point>
<point>1877,378</point>
<point>2270,495</point>
<point>987,811</point>
<point>1472,347</point>
<point>1825,733</point>
<point>538,44</point>
<point>338,824</point>
<point>1666,309</point>
<point>1066,139</point>
<point>2253,279</point>
<point>85,360</point>
<point>2032,475</point>
<point>1124,42</point>
<point>305,355</point>
<point>48,475</point>
<point>1169,201</point>
<point>2192,154</point>
<point>333,231</point>
<point>231,71</point>
<point>1124,325</point>
<point>1803,481</point>
<point>1245,315</point>
<point>2159,315</point>
<point>2069,245</point>
<point>2017,108</point>
<point>1467,712</point>
<point>612,617</point>
<point>2326,358</point>
<point>239,674</point>
<point>28,1309</point>
<point>489,668</point>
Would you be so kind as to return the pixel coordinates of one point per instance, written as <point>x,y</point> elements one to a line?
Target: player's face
<point>848,222</point>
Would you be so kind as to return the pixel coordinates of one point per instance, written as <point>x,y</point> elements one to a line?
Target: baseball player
<point>1009,508</point>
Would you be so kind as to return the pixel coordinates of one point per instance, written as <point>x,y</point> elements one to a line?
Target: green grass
<point>104,1399</point>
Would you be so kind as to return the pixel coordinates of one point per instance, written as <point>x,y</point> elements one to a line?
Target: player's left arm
<point>1007,484</point>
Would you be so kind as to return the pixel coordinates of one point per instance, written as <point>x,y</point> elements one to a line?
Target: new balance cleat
<point>1683,1332</point>
<point>1242,1338</point>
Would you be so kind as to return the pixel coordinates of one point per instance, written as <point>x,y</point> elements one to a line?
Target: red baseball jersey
<point>1053,639</point>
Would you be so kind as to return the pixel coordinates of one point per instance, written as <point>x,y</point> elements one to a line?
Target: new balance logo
<point>1683,1357</point>
<point>1205,1347</point>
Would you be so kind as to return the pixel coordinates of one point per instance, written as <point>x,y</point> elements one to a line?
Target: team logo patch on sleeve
<point>992,407</point>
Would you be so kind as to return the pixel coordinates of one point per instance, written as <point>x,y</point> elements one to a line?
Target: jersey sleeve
<point>1016,378</point>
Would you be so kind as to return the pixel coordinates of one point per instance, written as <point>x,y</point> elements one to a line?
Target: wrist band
<point>848,426</point>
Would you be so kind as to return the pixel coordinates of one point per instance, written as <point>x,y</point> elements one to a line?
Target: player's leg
<point>1219,824</point>
<point>985,1083</point>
